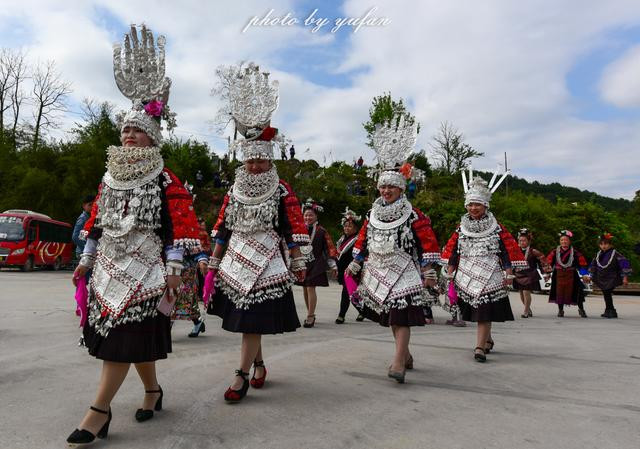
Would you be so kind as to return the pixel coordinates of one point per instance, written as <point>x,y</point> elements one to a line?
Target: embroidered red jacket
<point>423,234</point>
<point>512,252</point>
<point>291,224</point>
<point>180,227</point>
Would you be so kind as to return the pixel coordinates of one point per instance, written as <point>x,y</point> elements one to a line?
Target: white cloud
<point>495,69</point>
<point>620,84</point>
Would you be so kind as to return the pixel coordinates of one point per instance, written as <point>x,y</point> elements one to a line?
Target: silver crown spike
<point>495,175</point>
<point>465,186</point>
<point>139,67</point>
<point>393,145</point>
<point>497,184</point>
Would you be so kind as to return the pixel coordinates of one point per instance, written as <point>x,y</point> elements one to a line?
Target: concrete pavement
<point>552,382</point>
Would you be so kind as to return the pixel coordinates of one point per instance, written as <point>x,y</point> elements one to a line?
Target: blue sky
<point>583,78</point>
<point>554,84</point>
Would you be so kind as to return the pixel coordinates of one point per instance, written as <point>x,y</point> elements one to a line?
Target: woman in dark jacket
<point>345,255</point>
<point>528,280</point>
<point>321,256</point>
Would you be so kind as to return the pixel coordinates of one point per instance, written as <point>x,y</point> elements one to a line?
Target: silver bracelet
<point>174,267</point>
<point>298,263</point>
<point>332,264</point>
<point>510,276</point>
<point>87,260</point>
<point>354,267</point>
<point>214,263</point>
<point>430,274</point>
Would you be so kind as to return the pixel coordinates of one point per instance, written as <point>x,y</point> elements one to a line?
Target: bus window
<point>32,234</point>
<point>11,229</point>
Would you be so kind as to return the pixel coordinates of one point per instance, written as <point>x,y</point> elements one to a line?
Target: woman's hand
<point>300,275</point>
<point>334,273</point>
<point>173,281</point>
<point>429,282</point>
<point>203,267</point>
<point>625,280</point>
<point>79,272</point>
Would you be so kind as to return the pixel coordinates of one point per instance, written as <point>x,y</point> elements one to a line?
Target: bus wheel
<point>57,264</point>
<point>28,265</point>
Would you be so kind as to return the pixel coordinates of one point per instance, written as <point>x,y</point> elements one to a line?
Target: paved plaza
<point>551,383</point>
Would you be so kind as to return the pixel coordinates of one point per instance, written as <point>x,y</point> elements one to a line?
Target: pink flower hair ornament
<point>154,108</point>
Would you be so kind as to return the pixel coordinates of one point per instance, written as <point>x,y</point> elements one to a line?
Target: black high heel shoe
<point>82,436</point>
<point>232,395</point>
<point>198,328</point>
<point>479,357</point>
<point>145,415</point>
<point>488,349</point>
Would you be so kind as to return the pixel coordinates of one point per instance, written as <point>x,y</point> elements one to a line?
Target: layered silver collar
<point>478,228</point>
<point>254,189</point>
<point>131,167</point>
<point>388,216</point>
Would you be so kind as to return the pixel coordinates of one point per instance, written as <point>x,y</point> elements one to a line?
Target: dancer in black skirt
<point>259,227</point>
<point>396,250</point>
<point>321,256</point>
<point>481,256</point>
<point>609,269</point>
<point>528,279</point>
<point>345,255</point>
<point>141,225</point>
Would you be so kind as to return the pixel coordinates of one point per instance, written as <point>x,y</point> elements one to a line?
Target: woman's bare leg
<point>147,373</point>
<point>248,352</point>
<point>402,335</point>
<point>111,378</point>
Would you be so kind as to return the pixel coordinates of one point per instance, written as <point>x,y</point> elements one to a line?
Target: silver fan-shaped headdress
<point>476,189</point>
<point>350,215</point>
<point>139,70</point>
<point>393,145</point>
<point>313,205</point>
<point>252,99</point>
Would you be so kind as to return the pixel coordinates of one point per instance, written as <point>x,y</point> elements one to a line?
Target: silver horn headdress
<point>251,101</point>
<point>476,189</point>
<point>393,143</point>
<point>138,67</point>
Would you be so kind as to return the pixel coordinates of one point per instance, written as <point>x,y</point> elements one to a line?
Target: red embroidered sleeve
<point>449,248</point>
<point>184,223</point>
<point>219,226</point>
<point>360,247</point>
<point>551,258</point>
<point>293,211</point>
<point>426,237</point>
<point>88,226</point>
<point>331,248</point>
<point>582,262</point>
<point>542,260</point>
<point>513,250</point>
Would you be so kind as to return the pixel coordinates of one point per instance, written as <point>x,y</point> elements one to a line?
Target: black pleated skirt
<point>497,311</point>
<point>273,316</point>
<point>409,316</point>
<point>146,341</point>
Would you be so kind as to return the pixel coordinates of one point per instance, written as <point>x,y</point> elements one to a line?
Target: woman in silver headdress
<point>141,225</point>
<point>259,228</point>
<point>569,270</point>
<point>395,250</point>
<point>345,244</point>
<point>528,279</point>
<point>481,256</point>
<point>321,256</point>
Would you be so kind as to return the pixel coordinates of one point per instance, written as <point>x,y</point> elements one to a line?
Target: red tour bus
<point>29,239</point>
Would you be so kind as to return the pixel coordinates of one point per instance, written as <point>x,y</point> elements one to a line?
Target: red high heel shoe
<point>232,395</point>
<point>258,382</point>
